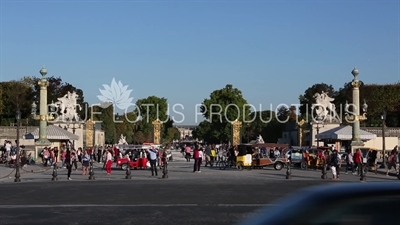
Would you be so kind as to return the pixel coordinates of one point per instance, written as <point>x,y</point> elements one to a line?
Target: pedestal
<point>355,145</point>
<point>43,142</point>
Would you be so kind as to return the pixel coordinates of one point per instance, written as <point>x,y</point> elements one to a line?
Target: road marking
<point>245,205</point>
<point>139,205</point>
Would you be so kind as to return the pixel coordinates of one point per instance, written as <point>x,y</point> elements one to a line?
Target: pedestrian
<point>68,163</point>
<point>188,151</point>
<point>46,156</point>
<point>349,162</point>
<point>335,164</point>
<point>109,161</point>
<point>201,157</point>
<point>85,163</point>
<point>153,154</point>
<point>357,158</point>
<point>79,153</point>
<point>74,160</point>
<point>208,155</point>
<point>99,154</point>
<point>63,154</point>
<point>196,157</point>
<point>391,163</point>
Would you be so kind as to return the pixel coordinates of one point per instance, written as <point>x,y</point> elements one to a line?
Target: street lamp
<point>383,118</point>
<point>318,123</point>
<point>74,121</point>
<point>17,174</point>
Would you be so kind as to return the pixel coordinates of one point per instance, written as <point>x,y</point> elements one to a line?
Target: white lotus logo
<point>117,94</point>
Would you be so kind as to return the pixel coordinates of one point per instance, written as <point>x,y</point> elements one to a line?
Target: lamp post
<point>165,162</point>
<point>317,122</point>
<point>383,118</point>
<point>74,122</point>
<point>355,117</point>
<point>289,169</point>
<point>17,173</point>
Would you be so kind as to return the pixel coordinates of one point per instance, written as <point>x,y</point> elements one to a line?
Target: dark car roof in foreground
<point>319,195</point>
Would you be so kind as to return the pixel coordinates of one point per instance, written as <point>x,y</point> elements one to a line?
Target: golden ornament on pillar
<point>157,131</point>
<point>300,130</point>
<point>236,127</point>
<point>89,129</point>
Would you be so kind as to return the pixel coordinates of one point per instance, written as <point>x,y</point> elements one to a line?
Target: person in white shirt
<point>8,148</point>
<point>153,154</point>
<point>201,156</point>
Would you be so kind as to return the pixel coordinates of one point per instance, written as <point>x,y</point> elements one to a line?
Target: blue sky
<point>183,50</point>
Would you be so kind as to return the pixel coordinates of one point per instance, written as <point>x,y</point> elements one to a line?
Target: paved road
<point>211,197</point>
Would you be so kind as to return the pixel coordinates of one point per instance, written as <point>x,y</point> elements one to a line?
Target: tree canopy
<point>150,109</point>
<point>220,109</point>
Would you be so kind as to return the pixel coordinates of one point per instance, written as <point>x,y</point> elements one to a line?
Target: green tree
<point>150,109</point>
<point>378,97</point>
<point>266,124</point>
<point>139,137</point>
<point>1,100</point>
<point>15,93</point>
<point>107,120</point>
<point>172,134</point>
<point>166,129</point>
<point>204,132</point>
<point>221,108</point>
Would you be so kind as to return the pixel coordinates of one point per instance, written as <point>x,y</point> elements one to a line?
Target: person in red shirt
<point>358,160</point>
<point>196,157</point>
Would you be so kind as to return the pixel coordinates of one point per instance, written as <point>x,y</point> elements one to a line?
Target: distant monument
<point>325,109</point>
<point>66,108</point>
<point>122,140</point>
<point>260,140</point>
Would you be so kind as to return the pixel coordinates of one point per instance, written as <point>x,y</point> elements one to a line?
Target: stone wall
<point>10,132</point>
<point>389,131</point>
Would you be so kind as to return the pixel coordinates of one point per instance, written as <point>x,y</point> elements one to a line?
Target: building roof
<point>344,133</point>
<point>53,133</point>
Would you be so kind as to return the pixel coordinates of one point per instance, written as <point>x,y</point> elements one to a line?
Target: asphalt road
<point>211,197</point>
<point>145,202</point>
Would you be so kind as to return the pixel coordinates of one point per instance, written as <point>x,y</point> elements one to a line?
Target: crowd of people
<point>8,155</point>
<point>74,159</point>
<point>353,161</point>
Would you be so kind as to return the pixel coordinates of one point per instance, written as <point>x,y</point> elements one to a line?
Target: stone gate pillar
<point>90,135</point>
<point>157,131</point>
<point>300,130</point>
<point>236,134</point>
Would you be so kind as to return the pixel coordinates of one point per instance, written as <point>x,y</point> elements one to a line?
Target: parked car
<point>350,203</point>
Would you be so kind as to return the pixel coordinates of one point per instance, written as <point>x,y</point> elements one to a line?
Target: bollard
<point>17,174</point>
<point>323,176</point>
<point>91,172</point>
<point>362,174</point>
<point>54,178</point>
<point>128,173</point>
<point>165,165</point>
<point>165,171</point>
<point>288,171</point>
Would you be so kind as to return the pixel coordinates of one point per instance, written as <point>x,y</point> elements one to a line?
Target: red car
<point>140,163</point>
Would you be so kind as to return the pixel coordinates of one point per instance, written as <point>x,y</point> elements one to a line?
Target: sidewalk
<point>383,171</point>
<point>9,173</point>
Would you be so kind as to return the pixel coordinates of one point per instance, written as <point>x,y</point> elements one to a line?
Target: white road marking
<point>138,205</point>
